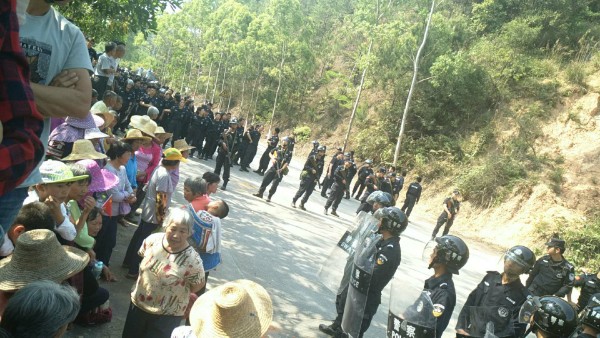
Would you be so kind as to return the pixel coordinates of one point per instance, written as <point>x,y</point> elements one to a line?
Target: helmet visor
<point>528,309</point>
<point>429,252</point>
<point>512,257</point>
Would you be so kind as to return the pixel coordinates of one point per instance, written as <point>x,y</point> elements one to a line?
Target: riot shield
<point>358,288</point>
<point>486,321</point>
<point>335,270</point>
<point>411,313</point>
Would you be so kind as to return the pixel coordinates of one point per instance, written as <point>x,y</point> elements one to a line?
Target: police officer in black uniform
<point>451,208</point>
<point>498,298</point>
<point>272,142</point>
<point>340,182</point>
<point>386,184</point>
<point>309,176</point>
<point>392,223</point>
<point>590,319</point>
<point>449,255</point>
<point>253,137</point>
<point>398,184</point>
<point>225,144</point>
<point>336,161</point>
<point>363,172</point>
<point>199,128</point>
<point>315,147</point>
<point>212,136</point>
<point>372,183</point>
<point>552,274</point>
<point>413,194</point>
<point>280,157</point>
<point>351,173</point>
<point>550,317</point>
<point>590,285</point>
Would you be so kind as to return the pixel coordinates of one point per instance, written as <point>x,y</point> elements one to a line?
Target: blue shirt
<point>131,168</point>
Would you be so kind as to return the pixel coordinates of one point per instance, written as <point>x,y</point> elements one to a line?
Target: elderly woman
<point>170,270</point>
<point>41,309</point>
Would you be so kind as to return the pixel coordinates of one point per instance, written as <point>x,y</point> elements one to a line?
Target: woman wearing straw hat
<point>52,261</point>
<point>170,270</point>
<point>84,150</point>
<point>239,309</point>
<point>135,139</point>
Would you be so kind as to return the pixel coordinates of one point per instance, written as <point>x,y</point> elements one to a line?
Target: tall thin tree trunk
<point>212,98</point>
<point>197,79</point>
<point>412,84</point>
<point>242,100</point>
<point>355,106</point>
<point>208,81</point>
<point>278,88</point>
<point>222,85</point>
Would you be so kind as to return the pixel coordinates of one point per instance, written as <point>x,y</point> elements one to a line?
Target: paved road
<point>282,248</point>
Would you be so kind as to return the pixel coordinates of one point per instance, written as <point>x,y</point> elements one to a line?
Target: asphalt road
<point>282,248</point>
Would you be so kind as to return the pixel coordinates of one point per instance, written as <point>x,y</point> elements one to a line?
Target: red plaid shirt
<point>21,148</point>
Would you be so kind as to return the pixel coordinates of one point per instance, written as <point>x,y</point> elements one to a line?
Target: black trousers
<point>211,145</point>
<point>270,176</point>
<point>441,220</point>
<point>132,259</point>
<point>358,186</point>
<point>264,160</point>
<point>408,205</point>
<point>334,199</point>
<point>100,84</point>
<point>307,185</point>
<point>248,156</point>
<point>327,183</point>
<point>140,323</point>
<point>197,140</point>
<point>224,162</point>
<point>370,310</point>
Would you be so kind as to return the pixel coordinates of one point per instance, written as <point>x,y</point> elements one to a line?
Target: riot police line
<point>367,256</point>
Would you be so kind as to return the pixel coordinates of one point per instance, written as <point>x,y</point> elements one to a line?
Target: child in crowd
<point>154,207</point>
<point>169,272</point>
<point>79,194</point>
<point>32,216</point>
<point>206,235</point>
<point>135,139</point>
<point>54,192</point>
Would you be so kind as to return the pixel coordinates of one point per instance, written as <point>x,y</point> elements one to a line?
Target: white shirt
<point>66,229</point>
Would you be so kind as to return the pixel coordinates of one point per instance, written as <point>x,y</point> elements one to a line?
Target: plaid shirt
<point>21,148</point>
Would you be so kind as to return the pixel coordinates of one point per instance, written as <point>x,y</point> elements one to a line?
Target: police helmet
<point>380,197</point>
<point>315,143</point>
<point>369,161</point>
<point>555,316</point>
<point>233,120</point>
<point>594,300</point>
<point>591,317</point>
<point>285,140</point>
<point>321,148</point>
<point>521,255</point>
<point>452,252</point>
<point>392,219</point>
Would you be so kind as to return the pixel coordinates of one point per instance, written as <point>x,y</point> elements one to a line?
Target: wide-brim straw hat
<point>144,124</point>
<point>182,145</point>
<point>161,131</point>
<point>102,179</point>
<point>39,255</point>
<point>57,172</point>
<point>106,116</point>
<point>135,134</point>
<point>83,150</point>
<point>239,309</point>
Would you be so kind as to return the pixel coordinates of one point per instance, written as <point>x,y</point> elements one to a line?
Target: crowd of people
<point>85,144</point>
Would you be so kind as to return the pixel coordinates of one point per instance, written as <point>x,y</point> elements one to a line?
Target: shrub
<point>302,133</point>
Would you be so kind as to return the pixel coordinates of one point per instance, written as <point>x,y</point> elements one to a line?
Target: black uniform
<point>250,149</point>
<point>590,284</point>
<point>329,179</point>
<point>223,157</point>
<point>264,159</point>
<point>499,303</point>
<point>372,183</point>
<point>242,144</point>
<point>359,186</point>
<point>274,174</point>
<point>309,178</point>
<point>453,206</point>
<point>386,186</point>
<point>198,129</point>
<point>351,173</point>
<point>151,100</point>
<point>397,185</point>
<point>388,258</point>
<point>176,122</point>
<point>443,296</point>
<point>413,194</point>
<point>337,189</point>
<point>551,278</point>
<point>212,137</point>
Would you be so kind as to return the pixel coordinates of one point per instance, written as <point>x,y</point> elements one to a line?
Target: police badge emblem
<point>503,312</point>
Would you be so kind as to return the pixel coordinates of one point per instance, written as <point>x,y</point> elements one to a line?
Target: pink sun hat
<point>102,179</point>
<point>73,128</point>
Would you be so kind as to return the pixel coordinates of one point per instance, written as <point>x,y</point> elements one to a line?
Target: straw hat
<point>39,255</point>
<point>135,134</point>
<point>143,123</point>
<point>161,131</point>
<point>239,309</point>
<point>106,116</point>
<point>57,172</point>
<point>83,150</point>
<point>182,145</point>
<point>102,179</point>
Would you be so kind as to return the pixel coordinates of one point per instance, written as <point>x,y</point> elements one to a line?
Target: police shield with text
<point>375,262</point>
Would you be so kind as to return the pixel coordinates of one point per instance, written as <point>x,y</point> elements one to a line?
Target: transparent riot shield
<point>358,288</point>
<point>335,270</point>
<point>487,321</point>
<point>411,313</point>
